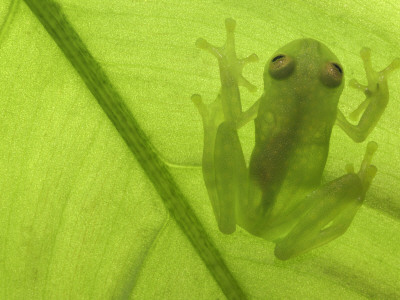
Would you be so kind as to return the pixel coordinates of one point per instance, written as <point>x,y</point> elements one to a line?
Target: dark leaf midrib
<point>55,22</point>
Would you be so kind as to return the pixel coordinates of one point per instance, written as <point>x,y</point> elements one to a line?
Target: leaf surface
<point>79,217</point>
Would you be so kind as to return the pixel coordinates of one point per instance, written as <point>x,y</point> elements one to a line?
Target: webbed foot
<point>226,56</point>
<point>371,109</point>
<point>374,79</point>
<point>228,100</point>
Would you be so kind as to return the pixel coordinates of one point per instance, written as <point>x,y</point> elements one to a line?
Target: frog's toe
<point>228,50</point>
<point>230,25</point>
<point>369,153</point>
<point>377,87</point>
<point>370,173</point>
<point>245,83</point>
<point>367,171</point>
<point>230,66</point>
<point>395,64</point>
<point>243,62</point>
<point>356,85</point>
<point>355,115</point>
<point>365,54</point>
<point>203,44</point>
<point>197,100</point>
<point>249,59</point>
<point>375,77</point>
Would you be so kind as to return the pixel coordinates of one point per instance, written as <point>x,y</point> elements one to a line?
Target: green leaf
<point>81,216</point>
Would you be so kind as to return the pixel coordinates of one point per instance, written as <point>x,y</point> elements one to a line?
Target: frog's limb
<point>248,115</point>
<point>230,68</point>
<point>224,168</point>
<point>332,209</point>
<point>212,117</point>
<point>377,97</point>
<point>230,175</point>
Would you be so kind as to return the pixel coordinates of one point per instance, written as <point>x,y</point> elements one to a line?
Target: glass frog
<point>279,196</point>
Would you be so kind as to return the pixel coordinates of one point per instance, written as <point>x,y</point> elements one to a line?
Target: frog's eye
<point>281,66</point>
<point>331,74</point>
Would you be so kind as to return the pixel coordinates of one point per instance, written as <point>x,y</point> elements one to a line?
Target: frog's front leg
<point>377,97</point>
<point>329,210</point>
<point>224,167</point>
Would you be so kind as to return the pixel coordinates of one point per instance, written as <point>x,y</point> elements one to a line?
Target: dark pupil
<point>277,57</point>
<point>338,68</point>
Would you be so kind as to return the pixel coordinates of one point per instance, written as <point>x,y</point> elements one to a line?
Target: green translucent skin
<point>279,197</point>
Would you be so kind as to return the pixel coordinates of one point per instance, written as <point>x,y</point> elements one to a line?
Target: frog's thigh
<point>230,175</point>
<point>335,205</point>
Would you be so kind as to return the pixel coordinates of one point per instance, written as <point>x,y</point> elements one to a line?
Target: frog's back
<point>290,146</point>
<point>295,119</point>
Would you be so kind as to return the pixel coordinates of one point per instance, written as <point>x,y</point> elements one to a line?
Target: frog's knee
<point>282,253</point>
<point>358,134</point>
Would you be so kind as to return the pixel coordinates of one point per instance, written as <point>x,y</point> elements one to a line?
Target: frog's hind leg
<point>230,175</point>
<point>224,167</point>
<point>333,208</point>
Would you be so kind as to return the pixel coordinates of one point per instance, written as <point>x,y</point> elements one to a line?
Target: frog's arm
<point>248,115</point>
<point>332,209</point>
<point>224,167</point>
<point>377,97</point>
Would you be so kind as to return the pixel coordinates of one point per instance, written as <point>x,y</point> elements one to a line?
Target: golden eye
<point>331,74</point>
<point>281,66</point>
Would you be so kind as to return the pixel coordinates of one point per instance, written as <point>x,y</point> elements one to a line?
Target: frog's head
<point>305,69</point>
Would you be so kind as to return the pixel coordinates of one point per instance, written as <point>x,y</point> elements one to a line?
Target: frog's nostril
<point>311,44</point>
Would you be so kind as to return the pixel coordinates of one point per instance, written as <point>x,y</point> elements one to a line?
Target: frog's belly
<point>279,215</point>
<point>307,165</point>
